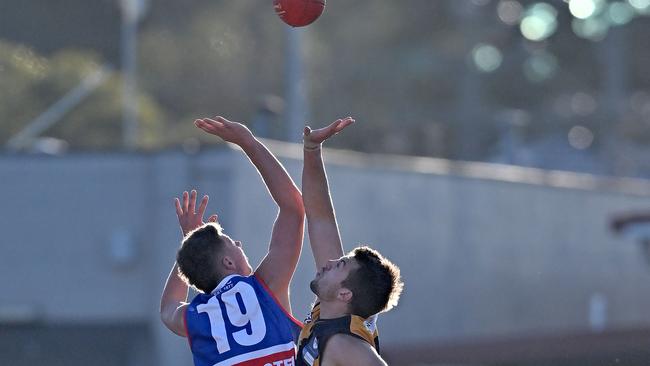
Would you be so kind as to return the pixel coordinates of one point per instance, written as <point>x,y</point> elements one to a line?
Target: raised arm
<point>174,297</point>
<point>323,230</point>
<point>278,266</point>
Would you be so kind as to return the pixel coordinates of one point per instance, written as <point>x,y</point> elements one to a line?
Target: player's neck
<point>333,309</point>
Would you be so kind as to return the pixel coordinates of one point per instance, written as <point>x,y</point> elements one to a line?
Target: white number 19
<point>251,314</point>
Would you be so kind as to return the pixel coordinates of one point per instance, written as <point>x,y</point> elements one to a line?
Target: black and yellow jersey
<point>316,332</point>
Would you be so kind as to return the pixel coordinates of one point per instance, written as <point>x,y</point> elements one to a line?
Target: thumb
<point>307,131</point>
<point>213,218</point>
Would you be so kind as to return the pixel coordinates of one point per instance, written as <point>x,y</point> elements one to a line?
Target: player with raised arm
<point>240,317</point>
<point>351,289</point>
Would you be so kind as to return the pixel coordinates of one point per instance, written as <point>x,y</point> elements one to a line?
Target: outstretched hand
<point>230,131</point>
<point>188,217</point>
<point>314,138</point>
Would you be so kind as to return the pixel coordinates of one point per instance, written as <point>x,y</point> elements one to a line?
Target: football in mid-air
<point>299,13</point>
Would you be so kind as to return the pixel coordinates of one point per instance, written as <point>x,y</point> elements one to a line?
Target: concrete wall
<point>485,250</point>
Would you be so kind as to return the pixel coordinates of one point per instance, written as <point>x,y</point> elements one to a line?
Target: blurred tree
<point>49,26</point>
<point>220,59</point>
<point>439,78</point>
<point>30,83</point>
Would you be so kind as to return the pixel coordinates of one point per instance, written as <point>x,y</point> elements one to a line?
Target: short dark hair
<point>197,257</point>
<point>376,284</point>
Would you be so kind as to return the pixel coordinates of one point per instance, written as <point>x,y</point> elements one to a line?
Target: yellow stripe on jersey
<point>309,347</point>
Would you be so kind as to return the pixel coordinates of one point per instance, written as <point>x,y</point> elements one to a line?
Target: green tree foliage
<point>31,83</point>
<point>406,70</point>
<point>220,58</point>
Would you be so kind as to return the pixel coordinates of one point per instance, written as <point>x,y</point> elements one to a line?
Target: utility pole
<point>469,89</point>
<point>132,13</point>
<point>613,73</point>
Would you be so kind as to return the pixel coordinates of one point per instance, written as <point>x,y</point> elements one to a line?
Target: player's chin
<point>313,286</point>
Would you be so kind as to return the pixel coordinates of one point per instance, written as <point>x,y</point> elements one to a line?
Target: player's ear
<point>344,295</point>
<point>228,263</point>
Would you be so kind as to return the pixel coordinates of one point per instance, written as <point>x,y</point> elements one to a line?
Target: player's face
<point>328,279</point>
<point>236,252</point>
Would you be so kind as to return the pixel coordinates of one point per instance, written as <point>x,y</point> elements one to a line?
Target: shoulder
<point>347,349</point>
<point>346,342</point>
<point>261,283</point>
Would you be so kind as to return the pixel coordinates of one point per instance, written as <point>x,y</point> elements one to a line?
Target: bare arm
<point>345,350</point>
<point>278,266</point>
<point>323,230</point>
<point>173,302</point>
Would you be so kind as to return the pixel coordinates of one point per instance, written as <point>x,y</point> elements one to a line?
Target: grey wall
<point>485,250</point>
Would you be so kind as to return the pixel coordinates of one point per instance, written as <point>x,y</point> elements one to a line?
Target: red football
<point>299,13</point>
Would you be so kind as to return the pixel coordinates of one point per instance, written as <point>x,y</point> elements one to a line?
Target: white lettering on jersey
<point>251,315</point>
<point>287,362</point>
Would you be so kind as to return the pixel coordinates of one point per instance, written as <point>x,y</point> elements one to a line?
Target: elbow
<point>165,318</point>
<point>294,206</point>
<point>293,214</point>
<point>300,208</point>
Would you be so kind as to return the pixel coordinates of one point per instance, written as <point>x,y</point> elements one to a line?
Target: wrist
<point>248,142</point>
<point>310,146</point>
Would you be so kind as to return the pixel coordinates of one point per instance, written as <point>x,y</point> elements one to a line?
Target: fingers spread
<point>192,205</point>
<point>185,201</point>
<point>179,210</point>
<point>203,205</point>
